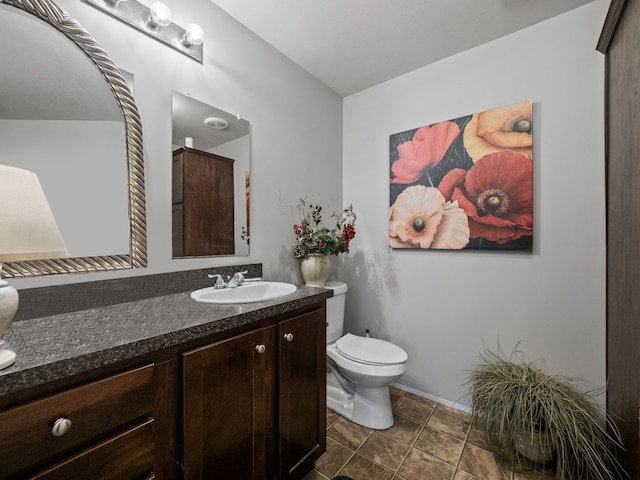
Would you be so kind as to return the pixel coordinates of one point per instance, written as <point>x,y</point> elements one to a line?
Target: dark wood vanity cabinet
<point>302,393</point>
<point>100,430</point>
<point>254,404</point>
<point>228,406</point>
<point>203,204</point>
<point>246,405</point>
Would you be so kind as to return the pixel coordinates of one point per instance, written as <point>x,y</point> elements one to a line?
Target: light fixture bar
<point>136,15</point>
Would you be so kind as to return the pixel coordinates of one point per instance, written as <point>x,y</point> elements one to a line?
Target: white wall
<point>296,129</point>
<point>52,148</point>
<point>240,151</point>
<point>443,307</point>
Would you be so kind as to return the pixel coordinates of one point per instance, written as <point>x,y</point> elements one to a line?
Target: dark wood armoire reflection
<point>203,204</point>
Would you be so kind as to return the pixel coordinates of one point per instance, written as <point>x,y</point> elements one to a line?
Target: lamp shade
<point>28,229</point>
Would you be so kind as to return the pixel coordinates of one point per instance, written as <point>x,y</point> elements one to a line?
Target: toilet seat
<point>370,351</point>
<point>360,368</point>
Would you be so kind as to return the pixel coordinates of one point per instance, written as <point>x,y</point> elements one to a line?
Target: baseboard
<point>442,401</point>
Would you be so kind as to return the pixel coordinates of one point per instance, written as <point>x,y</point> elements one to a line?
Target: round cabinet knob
<point>288,337</point>
<point>60,427</point>
<point>260,348</point>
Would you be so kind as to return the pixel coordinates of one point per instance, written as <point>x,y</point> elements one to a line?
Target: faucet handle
<point>219,284</point>
<point>238,278</point>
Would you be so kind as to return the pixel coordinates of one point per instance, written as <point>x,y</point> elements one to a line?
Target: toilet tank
<point>335,311</point>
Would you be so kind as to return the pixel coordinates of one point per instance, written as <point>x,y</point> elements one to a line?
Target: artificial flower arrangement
<point>311,237</point>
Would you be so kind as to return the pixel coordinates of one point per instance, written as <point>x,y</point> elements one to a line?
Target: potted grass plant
<point>531,417</point>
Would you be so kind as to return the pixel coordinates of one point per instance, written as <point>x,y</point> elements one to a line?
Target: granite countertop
<point>52,347</point>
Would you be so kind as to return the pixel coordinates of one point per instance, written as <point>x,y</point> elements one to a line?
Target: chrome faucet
<point>237,279</point>
<point>233,281</point>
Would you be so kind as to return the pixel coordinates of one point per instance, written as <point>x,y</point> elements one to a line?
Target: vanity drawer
<point>127,456</point>
<point>95,411</point>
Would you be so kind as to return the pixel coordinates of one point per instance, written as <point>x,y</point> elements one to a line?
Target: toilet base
<point>338,401</point>
<point>366,406</point>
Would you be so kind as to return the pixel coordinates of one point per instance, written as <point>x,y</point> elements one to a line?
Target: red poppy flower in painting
<point>427,148</point>
<point>420,218</point>
<point>496,194</point>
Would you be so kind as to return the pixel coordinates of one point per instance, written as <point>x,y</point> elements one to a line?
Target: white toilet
<point>359,369</point>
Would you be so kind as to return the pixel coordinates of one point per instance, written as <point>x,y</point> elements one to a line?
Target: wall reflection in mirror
<point>62,119</point>
<point>210,180</point>
<point>54,123</point>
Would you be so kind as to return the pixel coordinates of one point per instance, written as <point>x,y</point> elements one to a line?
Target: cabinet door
<point>623,183</point>
<point>229,407</point>
<point>302,398</point>
<point>203,182</point>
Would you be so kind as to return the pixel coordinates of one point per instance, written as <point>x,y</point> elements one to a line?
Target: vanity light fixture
<point>28,231</point>
<point>155,21</point>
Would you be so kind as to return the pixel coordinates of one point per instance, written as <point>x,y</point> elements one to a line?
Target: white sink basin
<point>247,293</point>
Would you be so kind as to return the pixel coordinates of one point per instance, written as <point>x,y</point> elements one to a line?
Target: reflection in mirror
<point>128,78</point>
<point>67,115</point>
<point>211,157</point>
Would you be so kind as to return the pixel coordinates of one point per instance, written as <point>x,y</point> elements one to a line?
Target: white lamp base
<point>7,358</point>
<point>8,308</point>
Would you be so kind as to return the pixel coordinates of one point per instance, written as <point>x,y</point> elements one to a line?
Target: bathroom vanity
<point>167,388</point>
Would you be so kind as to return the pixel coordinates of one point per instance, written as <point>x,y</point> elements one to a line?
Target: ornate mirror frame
<point>49,12</point>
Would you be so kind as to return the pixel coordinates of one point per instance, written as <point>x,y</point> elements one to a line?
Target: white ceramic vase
<point>8,308</point>
<point>315,269</point>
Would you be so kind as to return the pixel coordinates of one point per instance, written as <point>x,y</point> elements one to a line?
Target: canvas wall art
<point>465,183</point>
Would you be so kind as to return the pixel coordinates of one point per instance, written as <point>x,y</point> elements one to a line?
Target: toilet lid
<point>371,351</point>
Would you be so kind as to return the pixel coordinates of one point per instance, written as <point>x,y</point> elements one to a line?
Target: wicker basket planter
<point>536,446</point>
<point>530,416</point>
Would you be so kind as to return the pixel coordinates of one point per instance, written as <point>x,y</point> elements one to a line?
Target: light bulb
<point>193,35</point>
<point>159,15</point>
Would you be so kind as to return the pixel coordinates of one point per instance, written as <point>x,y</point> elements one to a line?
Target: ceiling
<point>351,45</point>
<point>189,120</point>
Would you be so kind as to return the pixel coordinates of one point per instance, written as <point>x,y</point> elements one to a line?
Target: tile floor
<point>429,441</point>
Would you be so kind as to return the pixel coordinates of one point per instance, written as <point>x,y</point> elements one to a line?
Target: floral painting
<point>465,183</point>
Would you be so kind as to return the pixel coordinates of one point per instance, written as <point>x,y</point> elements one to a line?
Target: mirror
<point>67,114</point>
<point>211,180</point>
